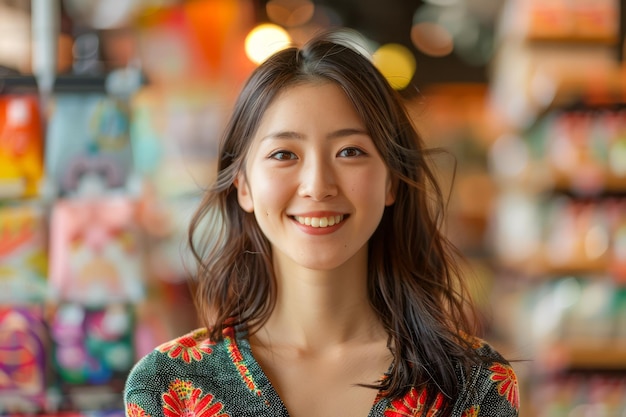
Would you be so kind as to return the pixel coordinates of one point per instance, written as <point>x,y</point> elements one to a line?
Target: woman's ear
<point>243,193</point>
<point>392,189</point>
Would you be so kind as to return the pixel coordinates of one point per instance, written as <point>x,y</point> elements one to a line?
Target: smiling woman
<point>311,158</point>
<point>325,283</point>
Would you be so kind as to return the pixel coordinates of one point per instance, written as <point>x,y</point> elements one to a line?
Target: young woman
<point>325,283</point>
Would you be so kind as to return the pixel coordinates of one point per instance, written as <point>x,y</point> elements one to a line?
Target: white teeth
<point>319,221</point>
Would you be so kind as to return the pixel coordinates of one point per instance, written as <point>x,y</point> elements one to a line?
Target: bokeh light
<point>441,27</point>
<point>397,64</point>
<point>432,39</point>
<point>290,13</point>
<point>265,40</point>
<point>101,14</point>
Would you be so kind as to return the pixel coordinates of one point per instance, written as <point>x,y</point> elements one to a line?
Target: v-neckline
<point>269,394</point>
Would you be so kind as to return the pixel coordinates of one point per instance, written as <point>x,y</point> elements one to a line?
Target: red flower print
<point>133,410</point>
<point>412,404</point>
<point>238,360</point>
<point>471,412</point>
<point>184,400</point>
<point>506,383</point>
<point>189,347</point>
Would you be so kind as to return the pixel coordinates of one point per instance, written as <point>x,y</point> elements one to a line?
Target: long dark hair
<point>414,280</point>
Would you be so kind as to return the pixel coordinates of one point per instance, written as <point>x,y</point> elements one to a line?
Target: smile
<point>320,221</point>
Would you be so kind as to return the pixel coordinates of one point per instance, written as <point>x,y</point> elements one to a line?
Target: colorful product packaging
<point>93,351</point>
<point>21,146</point>
<point>87,141</point>
<point>22,358</point>
<point>23,254</point>
<point>95,251</point>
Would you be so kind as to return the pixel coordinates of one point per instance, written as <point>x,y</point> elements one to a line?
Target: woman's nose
<point>317,180</point>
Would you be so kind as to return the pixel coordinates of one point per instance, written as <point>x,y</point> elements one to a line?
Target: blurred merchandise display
<point>92,352</point>
<point>576,157</point>
<point>559,230</point>
<point>23,253</point>
<point>572,20</point>
<point>551,52</point>
<point>559,224</point>
<point>581,395</point>
<point>23,363</point>
<point>87,142</point>
<point>95,251</point>
<point>21,145</point>
<point>174,137</point>
<point>98,180</point>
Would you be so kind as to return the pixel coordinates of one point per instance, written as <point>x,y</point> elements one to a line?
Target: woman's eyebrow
<point>290,134</point>
<point>346,132</point>
<point>283,134</point>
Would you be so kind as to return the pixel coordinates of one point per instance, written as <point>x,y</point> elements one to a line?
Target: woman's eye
<point>351,152</point>
<point>283,156</point>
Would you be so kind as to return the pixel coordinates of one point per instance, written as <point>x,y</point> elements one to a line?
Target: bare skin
<point>320,342</point>
<point>323,383</point>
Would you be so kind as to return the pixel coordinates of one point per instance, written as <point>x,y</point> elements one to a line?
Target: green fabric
<point>192,376</point>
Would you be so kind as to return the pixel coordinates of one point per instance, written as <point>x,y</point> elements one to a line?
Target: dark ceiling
<point>391,21</point>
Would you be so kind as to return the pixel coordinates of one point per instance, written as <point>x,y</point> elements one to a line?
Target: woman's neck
<point>321,310</point>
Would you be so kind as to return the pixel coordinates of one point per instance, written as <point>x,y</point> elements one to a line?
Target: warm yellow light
<point>264,40</point>
<point>397,64</point>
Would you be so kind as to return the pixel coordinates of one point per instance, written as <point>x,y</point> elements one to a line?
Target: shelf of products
<point>90,242</point>
<point>100,172</point>
<point>98,181</point>
<point>572,21</point>
<point>591,355</point>
<point>559,223</point>
<point>567,241</point>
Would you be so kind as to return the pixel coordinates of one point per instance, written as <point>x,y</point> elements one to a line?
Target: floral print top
<point>192,376</point>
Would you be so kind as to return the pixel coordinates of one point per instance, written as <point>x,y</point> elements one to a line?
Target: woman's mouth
<point>320,221</point>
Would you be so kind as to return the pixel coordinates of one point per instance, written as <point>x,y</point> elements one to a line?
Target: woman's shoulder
<point>192,354</point>
<point>492,383</point>
<point>190,369</point>
<point>193,346</point>
<point>485,350</point>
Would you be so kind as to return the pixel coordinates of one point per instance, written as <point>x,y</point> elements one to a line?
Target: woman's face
<point>314,178</point>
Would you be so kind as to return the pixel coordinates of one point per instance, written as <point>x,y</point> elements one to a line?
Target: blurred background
<point>110,115</point>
